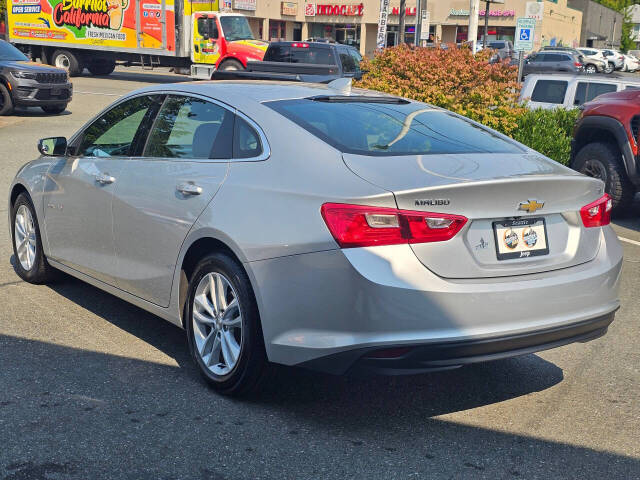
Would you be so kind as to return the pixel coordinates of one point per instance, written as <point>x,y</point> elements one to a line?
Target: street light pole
<point>486,25</point>
<point>401,21</point>
<point>472,37</point>
<point>418,23</point>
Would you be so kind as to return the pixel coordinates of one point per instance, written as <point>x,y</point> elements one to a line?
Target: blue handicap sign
<point>525,34</point>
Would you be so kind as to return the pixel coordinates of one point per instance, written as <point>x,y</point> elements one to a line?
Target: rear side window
<point>246,141</point>
<point>278,53</point>
<point>315,55</point>
<point>388,129</point>
<point>549,91</point>
<point>348,63</point>
<point>189,128</point>
<point>587,91</point>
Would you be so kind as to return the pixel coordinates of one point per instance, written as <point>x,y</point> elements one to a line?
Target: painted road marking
<point>100,93</point>
<point>628,240</point>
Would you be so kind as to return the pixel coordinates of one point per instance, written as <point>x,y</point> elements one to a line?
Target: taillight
<point>578,64</point>
<point>598,213</point>
<point>362,226</point>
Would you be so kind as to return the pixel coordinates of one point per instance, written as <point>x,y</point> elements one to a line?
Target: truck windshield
<point>236,28</point>
<point>11,53</point>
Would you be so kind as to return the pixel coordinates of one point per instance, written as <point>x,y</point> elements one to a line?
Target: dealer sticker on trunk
<point>520,238</point>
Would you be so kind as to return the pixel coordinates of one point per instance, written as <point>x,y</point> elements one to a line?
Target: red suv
<point>605,144</point>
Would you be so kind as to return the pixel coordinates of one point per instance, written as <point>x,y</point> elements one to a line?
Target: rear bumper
<point>414,359</point>
<point>327,309</point>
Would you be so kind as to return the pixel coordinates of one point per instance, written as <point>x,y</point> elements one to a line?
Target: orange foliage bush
<point>453,79</point>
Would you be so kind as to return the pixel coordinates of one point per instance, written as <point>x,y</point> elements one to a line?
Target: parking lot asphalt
<point>92,387</point>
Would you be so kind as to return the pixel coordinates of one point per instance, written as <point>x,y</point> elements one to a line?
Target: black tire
<point>102,67</point>
<point>54,109</point>
<point>610,68</point>
<point>6,101</point>
<point>603,160</point>
<point>231,65</point>
<point>252,366</point>
<point>67,60</point>
<point>40,271</point>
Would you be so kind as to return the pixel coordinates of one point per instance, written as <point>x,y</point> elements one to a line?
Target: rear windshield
<point>9,52</point>
<point>383,129</point>
<point>497,45</point>
<point>308,54</point>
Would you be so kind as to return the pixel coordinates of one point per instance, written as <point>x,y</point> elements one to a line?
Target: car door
<point>164,188</point>
<point>78,214</point>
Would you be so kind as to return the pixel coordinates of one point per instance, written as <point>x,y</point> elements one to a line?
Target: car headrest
<point>203,139</point>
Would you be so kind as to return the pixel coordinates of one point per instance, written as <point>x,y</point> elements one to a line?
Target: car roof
<point>256,90</point>
<point>313,44</point>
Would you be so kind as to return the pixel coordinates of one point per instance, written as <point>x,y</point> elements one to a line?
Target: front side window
<point>373,128</point>
<point>191,128</point>
<point>549,91</point>
<point>587,91</point>
<point>113,134</point>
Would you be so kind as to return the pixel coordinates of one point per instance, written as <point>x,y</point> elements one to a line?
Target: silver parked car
<point>303,225</point>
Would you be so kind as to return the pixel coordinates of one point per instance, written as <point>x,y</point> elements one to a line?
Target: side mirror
<point>53,147</point>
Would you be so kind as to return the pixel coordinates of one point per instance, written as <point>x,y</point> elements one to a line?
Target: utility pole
<point>485,39</point>
<point>474,8</point>
<point>402,13</point>
<point>418,18</point>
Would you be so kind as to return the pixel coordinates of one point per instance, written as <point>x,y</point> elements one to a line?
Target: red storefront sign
<point>410,11</point>
<point>340,9</point>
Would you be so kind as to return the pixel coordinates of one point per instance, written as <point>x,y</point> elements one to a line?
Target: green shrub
<point>548,132</point>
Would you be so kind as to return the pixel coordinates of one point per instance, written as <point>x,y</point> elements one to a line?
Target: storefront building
<point>356,23</point>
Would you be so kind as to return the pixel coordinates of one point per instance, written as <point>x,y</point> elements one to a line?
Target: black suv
<point>28,84</point>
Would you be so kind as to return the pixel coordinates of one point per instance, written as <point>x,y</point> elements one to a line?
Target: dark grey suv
<point>546,62</point>
<point>28,84</point>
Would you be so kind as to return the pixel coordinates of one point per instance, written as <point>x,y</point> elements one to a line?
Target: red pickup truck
<point>605,144</point>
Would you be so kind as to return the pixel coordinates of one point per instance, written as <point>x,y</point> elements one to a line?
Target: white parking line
<point>99,93</point>
<point>628,240</point>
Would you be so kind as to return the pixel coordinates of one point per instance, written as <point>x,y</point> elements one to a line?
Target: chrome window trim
<point>266,148</point>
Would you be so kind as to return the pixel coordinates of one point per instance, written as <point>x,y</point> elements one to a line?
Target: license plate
<point>520,238</point>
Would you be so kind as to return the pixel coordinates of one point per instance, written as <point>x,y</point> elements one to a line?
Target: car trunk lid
<point>488,188</point>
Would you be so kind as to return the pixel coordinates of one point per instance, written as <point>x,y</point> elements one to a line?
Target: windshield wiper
<point>359,99</point>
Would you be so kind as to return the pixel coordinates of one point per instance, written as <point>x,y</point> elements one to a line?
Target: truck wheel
<point>610,68</point>
<point>54,109</point>
<point>67,60</point>
<point>601,160</point>
<point>230,65</point>
<point>102,67</point>
<point>6,102</point>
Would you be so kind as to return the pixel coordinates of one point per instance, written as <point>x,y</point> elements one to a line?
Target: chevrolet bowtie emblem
<point>530,206</point>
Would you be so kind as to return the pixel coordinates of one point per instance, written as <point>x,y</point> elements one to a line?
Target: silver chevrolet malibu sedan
<point>307,225</point>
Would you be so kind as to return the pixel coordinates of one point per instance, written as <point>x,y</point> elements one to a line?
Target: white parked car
<point>614,58</point>
<point>631,64</point>
<point>565,90</point>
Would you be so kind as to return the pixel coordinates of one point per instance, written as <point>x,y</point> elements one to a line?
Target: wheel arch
<point>16,190</point>
<point>592,129</point>
<point>197,248</point>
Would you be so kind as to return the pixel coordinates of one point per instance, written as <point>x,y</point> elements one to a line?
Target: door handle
<point>104,179</point>
<point>189,188</point>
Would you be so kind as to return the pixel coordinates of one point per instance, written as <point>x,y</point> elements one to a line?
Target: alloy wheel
<point>217,323</point>
<point>595,169</point>
<point>24,233</point>
<point>590,69</point>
